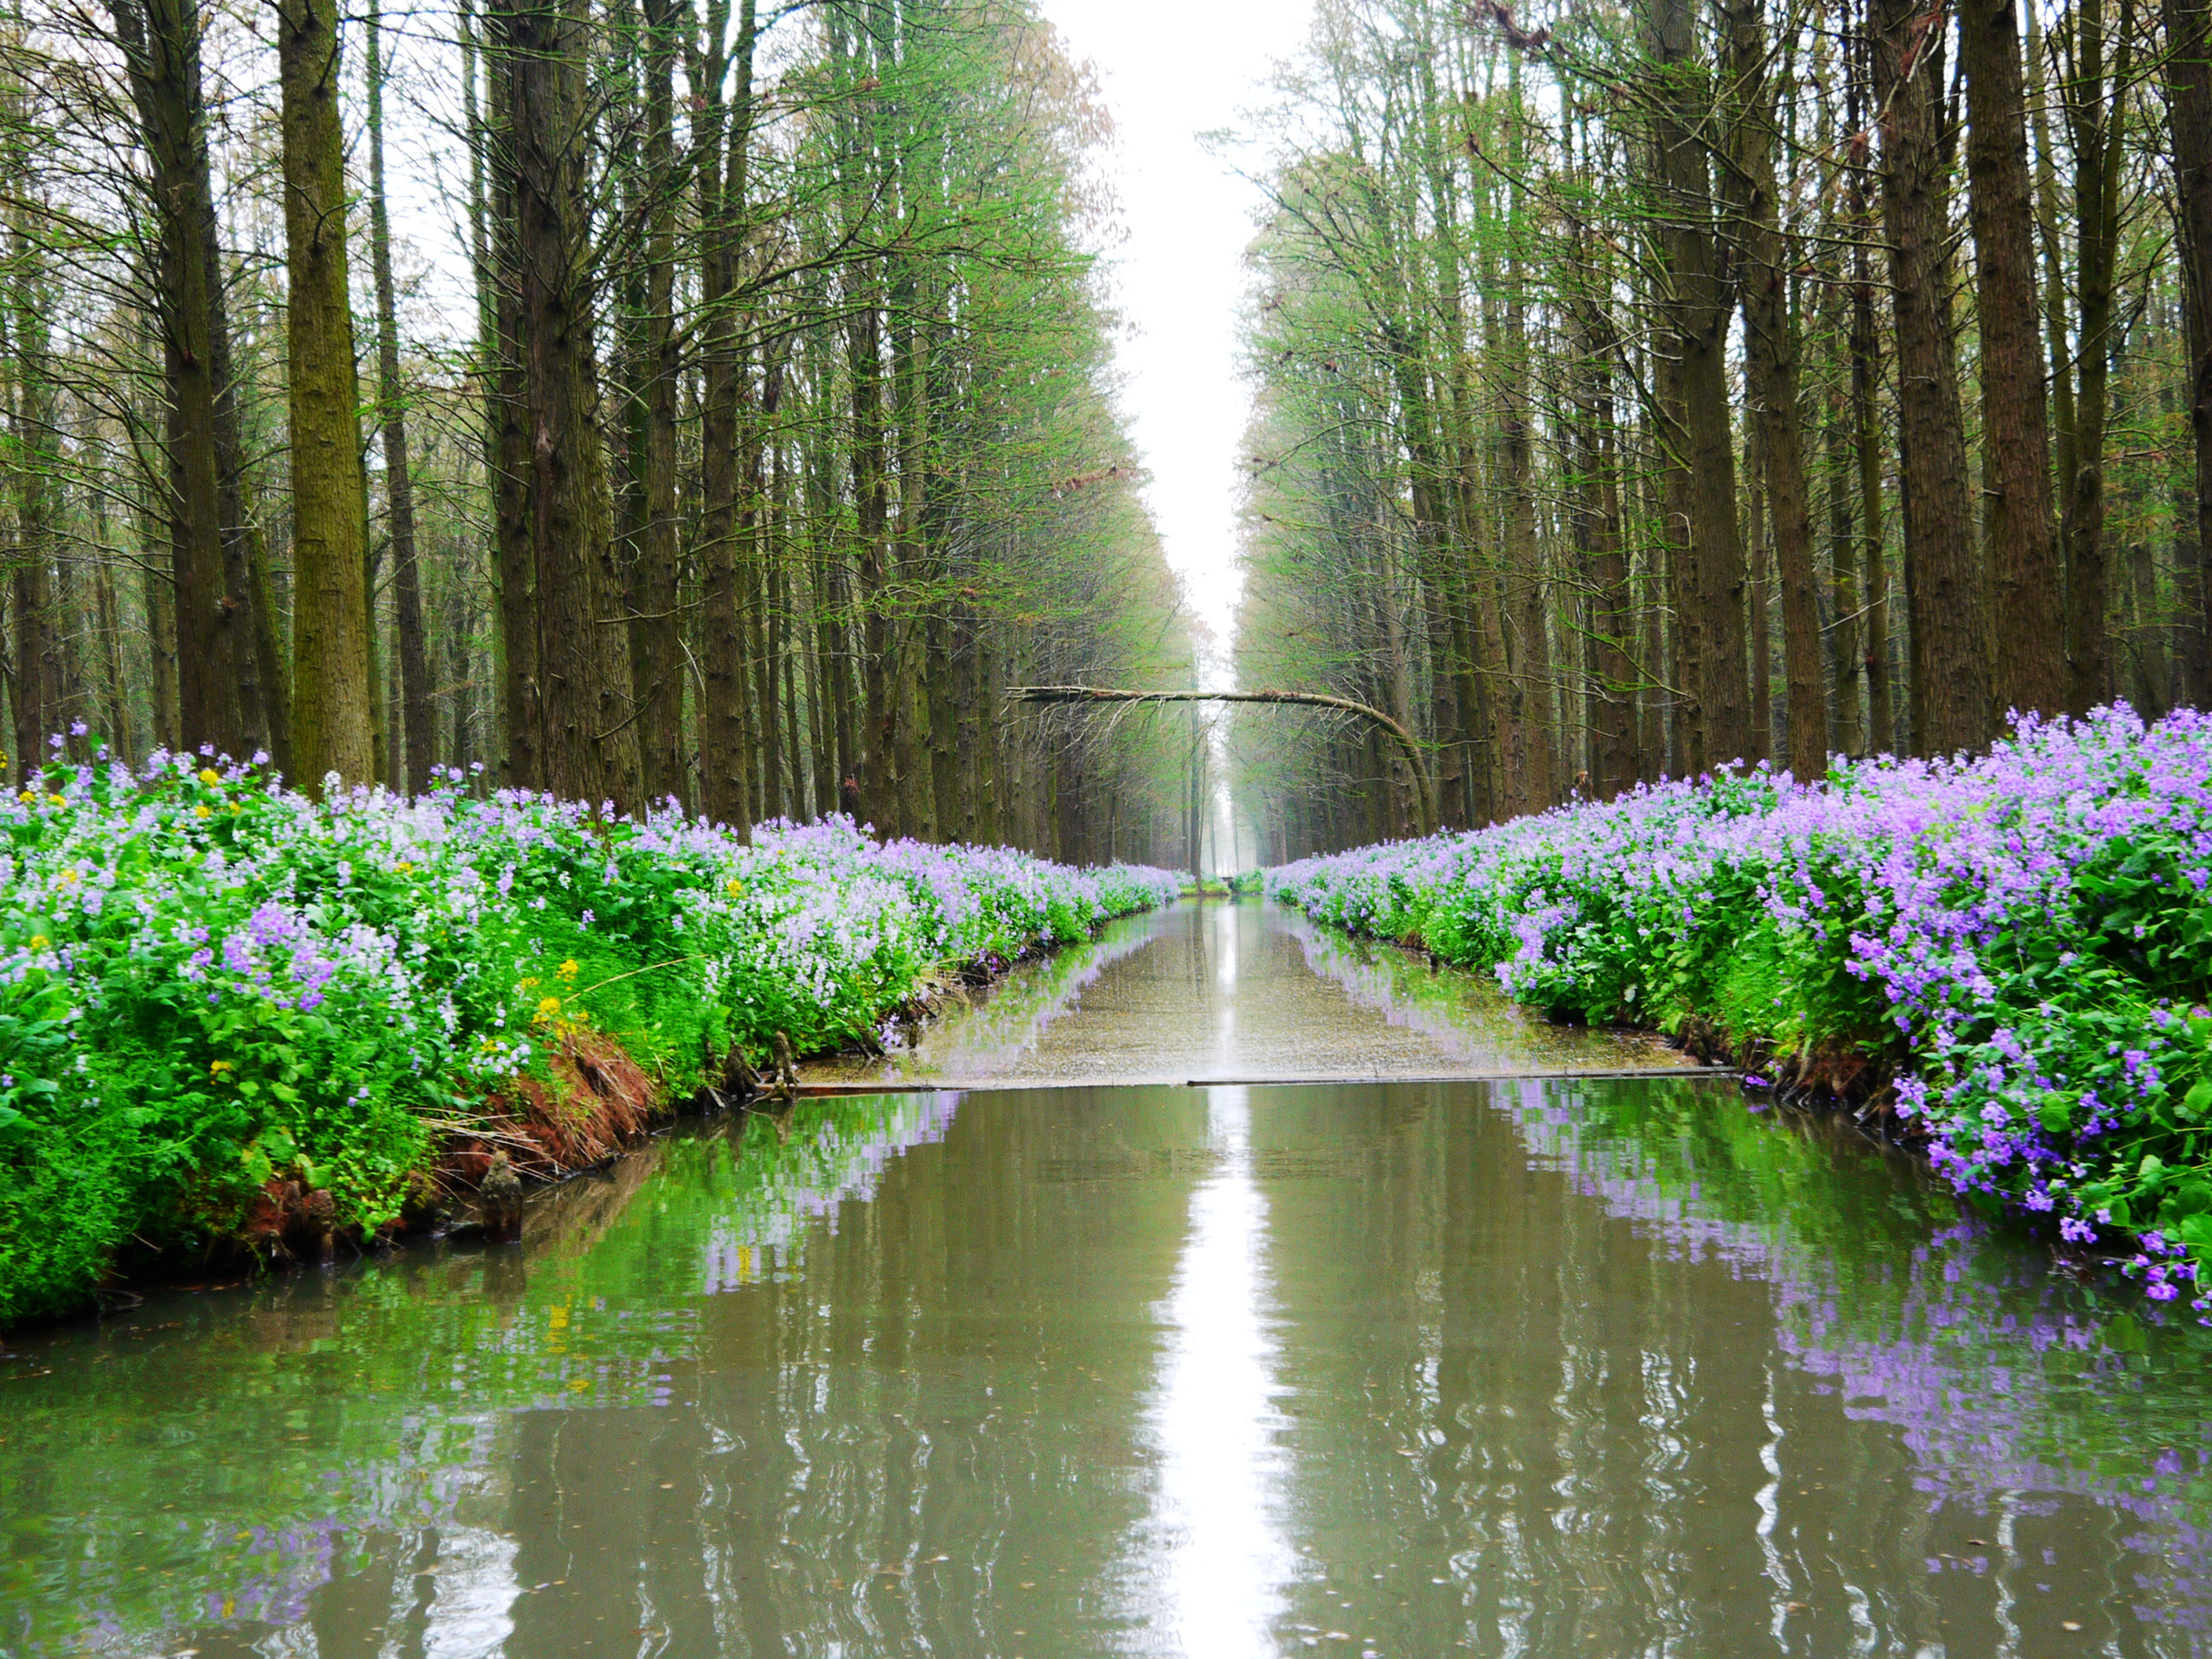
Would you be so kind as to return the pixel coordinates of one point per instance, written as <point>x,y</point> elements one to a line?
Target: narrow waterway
<point>1241,993</point>
<point>1429,1360</point>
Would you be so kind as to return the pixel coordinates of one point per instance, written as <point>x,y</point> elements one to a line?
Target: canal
<point>1095,1333</point>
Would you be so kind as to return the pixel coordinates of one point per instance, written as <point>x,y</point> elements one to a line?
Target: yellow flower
<point>209,774</point>
<point>217,1067</point>
<point>527,984</point>
<point>402,867</point>
<point>736,887</point>
<point>202,812</point>
<point>69,878</point>
<point>40,941</point>
<point>57,800</point>
<point>567,971</point>
<point>548,1007</point>
<point>29,795</point>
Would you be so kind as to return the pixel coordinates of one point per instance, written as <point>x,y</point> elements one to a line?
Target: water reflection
<point>1211,1561</point>
<point>1229,992</point>
<point>1554,1368</point>
<point>1462,1013</point>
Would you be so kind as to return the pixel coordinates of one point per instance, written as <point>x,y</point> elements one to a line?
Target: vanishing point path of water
<point>1458,1353</point>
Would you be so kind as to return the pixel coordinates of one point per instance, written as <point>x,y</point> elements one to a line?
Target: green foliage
<point>207,985</point>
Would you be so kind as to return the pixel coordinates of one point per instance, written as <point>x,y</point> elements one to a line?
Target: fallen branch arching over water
<point>1408,745</point>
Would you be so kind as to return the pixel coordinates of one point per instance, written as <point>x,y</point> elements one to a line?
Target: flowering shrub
<point>207,982</point>
<point>2025,937</point>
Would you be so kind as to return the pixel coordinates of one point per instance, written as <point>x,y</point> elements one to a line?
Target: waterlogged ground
<point>1539,1366</point>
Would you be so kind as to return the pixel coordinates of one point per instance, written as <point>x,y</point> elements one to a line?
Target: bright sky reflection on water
<point>1218,1559</point>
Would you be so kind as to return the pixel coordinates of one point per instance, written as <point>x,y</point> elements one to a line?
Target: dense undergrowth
<point>212,989</point>
<point>2013,952</point>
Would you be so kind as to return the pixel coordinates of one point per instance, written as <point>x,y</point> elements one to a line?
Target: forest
<point>1643,388</point>
<point>630,402</point>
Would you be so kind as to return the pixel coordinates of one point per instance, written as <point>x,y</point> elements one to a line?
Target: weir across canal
<point>1043,1352</point>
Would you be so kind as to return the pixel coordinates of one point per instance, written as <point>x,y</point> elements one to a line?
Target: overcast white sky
<point>1171,70</point>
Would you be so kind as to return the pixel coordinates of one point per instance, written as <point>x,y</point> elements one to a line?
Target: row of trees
<point>1646,386</point>
<point>731,427</point>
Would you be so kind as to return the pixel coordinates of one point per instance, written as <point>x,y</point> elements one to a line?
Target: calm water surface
<point>1534,1366</point>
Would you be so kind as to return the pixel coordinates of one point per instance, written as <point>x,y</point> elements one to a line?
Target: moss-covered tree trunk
<point>330,688</point>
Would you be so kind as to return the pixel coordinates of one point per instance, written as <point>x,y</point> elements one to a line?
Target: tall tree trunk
<point>1770,365</point>
<point>1864,346</point>
<point>1480,627</point>
<point>2019,520</point>
<point>2096,121</point>
<point>122,739</point>
<point>330,688</point>
<point>2189,101</point>
<point>259,666</point>
<point>1697,306</point>
<point>1613,679</point>
<point>724,760</point>
<point>269,646</point>
<point>656,643</point>
<point>1759,570</point>
<point>398,480</point>
<point>160,44</point>
<point>1944,590</point>
<point>38,693</point>
<point>588,728</point>
<point>508,444</point>
<point>1537,788</point>
<point>1848,596</point>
